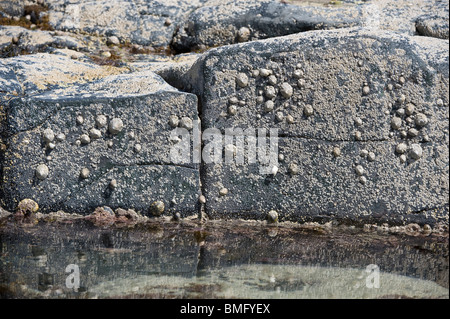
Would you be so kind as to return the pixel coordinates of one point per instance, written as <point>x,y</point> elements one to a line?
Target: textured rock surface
<point>356,82</point>
<point>79,175</point>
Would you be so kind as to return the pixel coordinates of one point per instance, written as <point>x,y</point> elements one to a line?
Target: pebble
<point>280,157</point>
<point>293,169</point>
<point>301,83</point>
<point>242,80</point>
<point>95,134</point>
<point>80,119</point>
<point>268,106</point>
<point>243,34</point>
<point>366,90</point>
<point>358,121</point>
<point>426,138</point>
<point>84,173</point>
<point>390,87</point>
<point>440,102</point>
<point>48,135</point>
<point>186,123</point>
<point>403,134</point>
<point>101,121</point>
<point>255,73</point>
<point>113,40</point>
<point>233,100</point>
<point>298,74</point>
<point>113,184</point>
<point>270,92</point>
<point>279,116</point>
<point>265,72</point>
<point>400,112</point>
<point>60,137</point>
<point>110,144</point>
<point>403,158</point>
<point>274,170</point>
<point>308,110</point>
<point>106,54</point>
<point>51,146</point>
<point>371,156</point>
<point>401,80</point>
<point>362,179</point>
<point>401,99</point>
<point>336,151</point>
<point>202,199</point>
<point>223,191</point>
<point>232,109</point>
<point>401,148</point>
<point>157,208</point>
<point>415,151</point>
<point>167,22</point>
<point>241,103</point>
<point>409,109</point>
<point>396,123</point>
<point>413,132</point>
<point>85,139</point>
<point>174,120</point>
<point>115,126</point>
<point>259,99</point>
<point>286,90</point>
<point>42,171</point>
<point>272,79</point>
<point>272,216</point>
<point>421,119</point>
<point>359,170</point>
<point>137,148</point>
<point>363,153</point>
<point>290,119</point>
<point>358,135</point>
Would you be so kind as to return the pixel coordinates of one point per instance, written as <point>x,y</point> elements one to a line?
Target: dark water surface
<point>232,259</point>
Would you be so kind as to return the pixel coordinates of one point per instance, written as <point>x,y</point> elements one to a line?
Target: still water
<point>228,259</point>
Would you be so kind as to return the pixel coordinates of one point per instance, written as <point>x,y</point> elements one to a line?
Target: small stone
<point>403,134</point>
<point>426,138</point>
<point>272,79</point>
<point>409,109</point>
<point>51,146</point>
<point>48,135</point>
<point>413,132</point>
<point>101,121</point>
<point>60,137</point>
<point>363,153</point>
<point>401,99</point>
<point>174,121</point>
<point>95,134</point>
<point>241,103</point>
<point>400,112</point>
<point>85,139</point>
<point>427,228</point>
<point>157,208</point>
<point>137,148</point>
<point>42,171</point>
<point>80,119</point>
<point>270,92</point>
<point>202,199</point>
<point>84,173</point>
<point>242,80</point>
<point>286,90</point>
<point>298,74</point>
<point>77,142</point>
<point>371,156</point>
<point>390,87</point>
<point>243,34</point>
<point>281,157</point>
<point>409,120</point>
<point>415,151</point>
<point>113,184</point>
<point>440,102</point>
<point>223,191</point>
<point>336,151</point>
<point>358,136</point>
<point>233,100</point>
<point>403,158</point>
<point>131,135</point>
<point>115,126</point>
<point>113,40</point>
<point>272,216</point>
<point>167,22</point>
<point>279,116</point>
<point>48,158</point>
<point>290,119</point>
<point>401,80</point>
<point>110,144</point>
<point>265,72</point>
<point>274,170</point>
<point>27,207</point>
<point>360,63</point>
<point>396,123</point>
<point>232,109</point>
<point>186,123</point>
<point>301,83</point>
<point>362,179</point>
<point>358,121</point>
<point>293,169</point>
<point>308,110</point>
<point>359,170</point>
<point>421,119</point>
<point>106,54</point>
<point>366,90</point>
<point>268,106</point>
<point>401,148</point>
<point>259,99</point>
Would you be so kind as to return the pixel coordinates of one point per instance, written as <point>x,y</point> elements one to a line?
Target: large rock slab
<point>340,99</point>
<point>66,149</point>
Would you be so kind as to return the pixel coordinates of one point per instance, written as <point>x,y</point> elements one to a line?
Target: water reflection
<point>218,260</point>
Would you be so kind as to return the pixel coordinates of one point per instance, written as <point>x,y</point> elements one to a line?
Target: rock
<point>157,208</point>
<point>433,26</point>
<point>327,187</point>
<point>144,103</point>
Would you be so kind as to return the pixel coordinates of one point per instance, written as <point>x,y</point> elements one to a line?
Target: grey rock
<point>327,187</point>
<point>433,26</point>
<point>144,103</point>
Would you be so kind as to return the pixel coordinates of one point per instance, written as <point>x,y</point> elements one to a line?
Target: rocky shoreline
<point>91,94</point>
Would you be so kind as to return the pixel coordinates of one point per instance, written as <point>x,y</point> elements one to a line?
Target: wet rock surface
<point>357,91</point>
